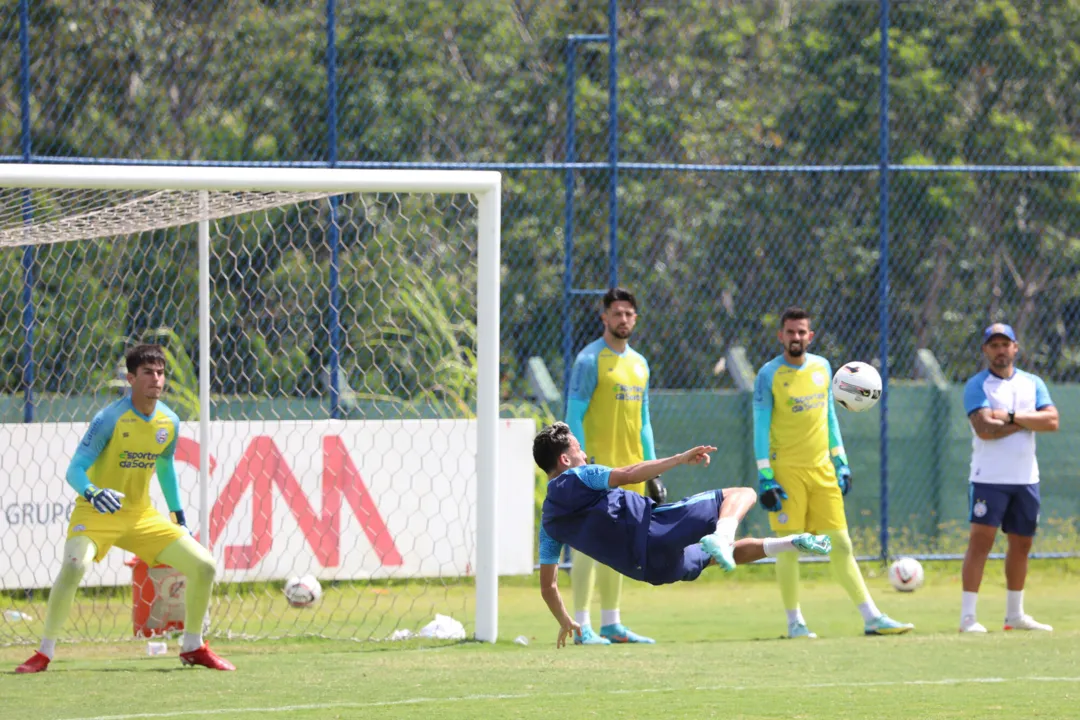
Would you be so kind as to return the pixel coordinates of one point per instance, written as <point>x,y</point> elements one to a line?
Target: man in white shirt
<point>1006,407</point>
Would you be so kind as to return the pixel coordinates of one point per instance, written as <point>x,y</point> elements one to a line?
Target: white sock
<point>609,617</point>
<point>581,617</point>
<point>967,604</point>
<point>48,647</point>
<point>1014,603</point>
<point>726,526</point>
<point>191,641</point>
<point>869,611</point>
<point>795,616</point>
<point>775,546</point>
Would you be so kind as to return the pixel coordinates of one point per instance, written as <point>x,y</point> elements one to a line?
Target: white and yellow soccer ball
<point>856,386</point>
<point>906,574</point>
<point>303,591</point>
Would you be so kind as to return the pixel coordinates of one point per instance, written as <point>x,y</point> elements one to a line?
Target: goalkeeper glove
<point>104,500</point>
<point>770,493</point>
<point>843,479</point>
<point>179,519</point>
<point>656,490</point>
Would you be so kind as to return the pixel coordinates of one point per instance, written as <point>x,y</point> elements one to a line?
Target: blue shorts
<point>1013,508</point>
<point>673,553</point>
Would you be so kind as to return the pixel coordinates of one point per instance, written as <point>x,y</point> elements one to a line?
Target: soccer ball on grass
<point>303,591</point>
<point>906,574</point>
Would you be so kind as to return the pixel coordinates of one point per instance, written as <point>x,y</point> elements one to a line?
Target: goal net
<point>332,338</point>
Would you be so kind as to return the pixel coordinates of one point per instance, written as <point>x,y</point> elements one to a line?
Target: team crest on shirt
<point>162,436</point>
<point>79,528</point>
<point>782,518</point>
<point>818,377</point>
<point>979,508</point>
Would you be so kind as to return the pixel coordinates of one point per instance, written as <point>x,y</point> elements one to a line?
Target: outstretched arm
<point>642,471</point>
<point>550,550</point>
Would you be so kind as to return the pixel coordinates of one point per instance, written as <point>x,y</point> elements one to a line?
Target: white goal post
<point>483,186</point>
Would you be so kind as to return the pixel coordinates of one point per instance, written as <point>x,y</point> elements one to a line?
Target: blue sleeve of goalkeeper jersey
<point>550,549</point>
<point>648,443</point>
<point>836,440</point>
<point>93,442</point>
<point>166,468</point>
<point>763,402</point>
<point>582,386</point>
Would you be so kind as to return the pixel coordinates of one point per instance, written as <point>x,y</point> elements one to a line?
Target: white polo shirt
<point>1008,460</point>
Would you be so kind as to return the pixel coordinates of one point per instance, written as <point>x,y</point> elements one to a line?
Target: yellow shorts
<point>145,532</point>
<point>814,501</point>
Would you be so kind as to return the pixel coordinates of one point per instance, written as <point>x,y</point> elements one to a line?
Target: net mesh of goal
<point>342,444</point>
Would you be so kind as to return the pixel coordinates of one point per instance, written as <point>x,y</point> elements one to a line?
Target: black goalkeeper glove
<point>655,489</point>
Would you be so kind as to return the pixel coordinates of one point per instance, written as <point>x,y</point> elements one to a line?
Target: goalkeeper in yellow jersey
<point>126,443</point>
<point>803,472</point>
<point>608,410</point>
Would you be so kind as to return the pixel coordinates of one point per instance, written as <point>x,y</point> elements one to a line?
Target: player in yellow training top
<point>608,411</point>
<point>803,472</point>
<point>126,443</point>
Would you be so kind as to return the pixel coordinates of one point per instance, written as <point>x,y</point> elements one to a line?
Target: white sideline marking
<point>524,696</point>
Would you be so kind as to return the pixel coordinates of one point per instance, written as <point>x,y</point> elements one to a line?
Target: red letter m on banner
<point>261,468</point>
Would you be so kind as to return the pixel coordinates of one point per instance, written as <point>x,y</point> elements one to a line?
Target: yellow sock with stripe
<point>846,572</point>
<point>198,567</point>
<point>582,575</point>
<point>79,553</point>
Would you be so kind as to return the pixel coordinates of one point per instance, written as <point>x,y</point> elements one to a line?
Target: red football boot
<point>39,662</point>
<point>207,658</point>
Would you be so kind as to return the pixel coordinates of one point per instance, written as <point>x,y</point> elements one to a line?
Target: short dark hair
<point>549,444</point>
<point>144,354</point>
<point>794,313</point>
<point>619,294</point>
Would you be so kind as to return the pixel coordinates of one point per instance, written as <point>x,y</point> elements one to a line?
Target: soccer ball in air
<point>303,591</point>
<point>856,386</point>
<point>906,574</point>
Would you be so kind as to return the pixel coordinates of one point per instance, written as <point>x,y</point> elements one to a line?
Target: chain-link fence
<point>753,171</point>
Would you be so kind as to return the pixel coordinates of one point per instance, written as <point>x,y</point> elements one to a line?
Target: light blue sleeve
<point>763,402</point>
<point>582,385</point>
<point>1042,395</point>
<point>166,470</point>
<point>836,440</point>
<point>648,443</point>
<point>595,477</point>
<point>94,441</point>
<point>974,395</point>
<point>550,549</point>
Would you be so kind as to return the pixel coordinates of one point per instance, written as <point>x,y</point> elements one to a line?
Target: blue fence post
<point>334,319</point>
<point>27,212</point>
<point>883,271</point>
<point>568,221</point>
<point>613,140</point>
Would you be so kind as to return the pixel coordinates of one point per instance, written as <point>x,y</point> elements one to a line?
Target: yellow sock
<point>787,574</point>
<point>844,567</point>
<point>198,567</point>
<point>79,552</point>
<point>610,582</point>
<point>582,575</point>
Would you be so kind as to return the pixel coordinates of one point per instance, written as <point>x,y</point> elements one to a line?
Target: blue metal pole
<point>28,214</point>
<point>613,141</point>
<point>568,220</point>
<point>334,319</point>
<point>883,271</point>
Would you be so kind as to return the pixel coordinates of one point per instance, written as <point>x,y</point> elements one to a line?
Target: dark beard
<point>621,334</point>
<point>796,351</point>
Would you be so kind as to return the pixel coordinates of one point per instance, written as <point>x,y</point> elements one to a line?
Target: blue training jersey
<point>610,525</point>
